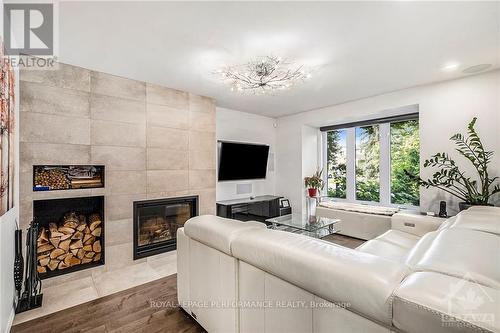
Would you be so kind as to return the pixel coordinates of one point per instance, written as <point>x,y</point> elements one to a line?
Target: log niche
<point>75,241</point>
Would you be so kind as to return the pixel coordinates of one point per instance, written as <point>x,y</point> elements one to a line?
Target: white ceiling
<point>356,49</point>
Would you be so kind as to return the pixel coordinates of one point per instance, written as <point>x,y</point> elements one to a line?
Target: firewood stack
<point>76,241</point>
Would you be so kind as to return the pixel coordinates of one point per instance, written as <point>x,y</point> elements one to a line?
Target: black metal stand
<point>31,297</point>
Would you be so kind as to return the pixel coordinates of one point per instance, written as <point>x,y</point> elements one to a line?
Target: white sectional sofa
<point>242,277</point>
<point>358,220</point>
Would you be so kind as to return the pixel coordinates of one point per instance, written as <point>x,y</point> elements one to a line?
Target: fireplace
<point>156,223</point>
<point>71,234</point>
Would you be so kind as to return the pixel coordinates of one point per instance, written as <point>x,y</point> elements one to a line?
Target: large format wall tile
<point>173,194</point>
<point>155,142</point>
<point>202,159</point>
<point>202,121</point>
<point>104,107</point>
<point>112,133</point>
<point>202,141</point>
<point>26,183</point>
<point>37,97</point>
<point>65,76</point>
<point>206,200</point>
<point>125,182</point>
<point>160,137</point>
<point>38,127</point>
<point>201,179</point>
<point>119,231</point>
<point>25,212</point>
<point>118,255</point>
<point>119,158</point>
<point>166,116</point>
<point>165,96</point>
<point>119,207</point>
<point>167,180</point>
<point>52,153</point>
<point>167,159</point>
<point>106,84</point>
<point>201,104</point>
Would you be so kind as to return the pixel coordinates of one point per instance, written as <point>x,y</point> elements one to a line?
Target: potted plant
<point>314,183</point>
<point>451,179</point>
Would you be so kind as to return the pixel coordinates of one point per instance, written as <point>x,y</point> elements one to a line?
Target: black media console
<point>258,208</point>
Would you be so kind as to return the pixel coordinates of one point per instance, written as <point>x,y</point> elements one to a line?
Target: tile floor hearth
<point>65,291</point>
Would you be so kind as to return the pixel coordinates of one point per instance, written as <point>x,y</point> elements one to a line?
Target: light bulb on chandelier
<point>263,75</point>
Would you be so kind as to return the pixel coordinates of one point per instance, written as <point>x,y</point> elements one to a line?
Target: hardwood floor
<point>131,310</point>
<point>346,241</point>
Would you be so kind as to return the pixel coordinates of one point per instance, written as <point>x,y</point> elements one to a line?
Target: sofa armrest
<point>415,223</point>
<point>434,302</point>
<point>217,232</point>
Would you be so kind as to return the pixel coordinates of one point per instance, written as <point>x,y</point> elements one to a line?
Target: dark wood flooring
<point>346,241</point>
<point>123,312</point>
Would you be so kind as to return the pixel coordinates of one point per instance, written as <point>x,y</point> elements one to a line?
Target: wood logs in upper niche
<point>76,241</point>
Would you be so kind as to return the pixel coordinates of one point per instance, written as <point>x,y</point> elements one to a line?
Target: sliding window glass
<point>405,157</point>
<point>368,163</point>
<point>337,163</point>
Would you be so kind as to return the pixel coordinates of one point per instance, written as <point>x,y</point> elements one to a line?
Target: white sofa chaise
<point>242,277</point>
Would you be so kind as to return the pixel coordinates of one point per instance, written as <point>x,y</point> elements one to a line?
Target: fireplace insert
<point>156,223</point>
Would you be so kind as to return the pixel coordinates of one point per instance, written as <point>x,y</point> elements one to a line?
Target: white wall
<point>445,108</point>
<point>234,125</point>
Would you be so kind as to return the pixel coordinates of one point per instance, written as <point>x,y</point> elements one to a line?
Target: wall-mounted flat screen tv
<point>241,161</point>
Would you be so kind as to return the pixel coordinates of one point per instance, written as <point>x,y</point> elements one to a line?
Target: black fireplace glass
<point>156,223</point>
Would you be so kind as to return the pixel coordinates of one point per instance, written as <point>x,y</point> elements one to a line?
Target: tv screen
<point>238,161</point>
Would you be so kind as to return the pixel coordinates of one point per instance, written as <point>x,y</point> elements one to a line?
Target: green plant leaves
<point>450,179</point>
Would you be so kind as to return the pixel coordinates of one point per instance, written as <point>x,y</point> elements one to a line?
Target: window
<point>405,155</point>
<point>370,162</point>
<point>336,160</point>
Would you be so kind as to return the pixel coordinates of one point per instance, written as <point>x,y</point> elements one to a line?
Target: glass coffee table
<point>313,226</point>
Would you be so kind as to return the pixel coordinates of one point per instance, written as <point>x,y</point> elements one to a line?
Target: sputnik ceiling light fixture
<point>264,75</point>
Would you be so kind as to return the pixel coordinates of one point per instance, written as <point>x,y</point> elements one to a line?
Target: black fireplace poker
<point>32,296</point>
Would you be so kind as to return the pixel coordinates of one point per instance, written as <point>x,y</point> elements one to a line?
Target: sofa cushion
<point>385,250</point>
<point>448,223</point>
<point>480,218</point>
<point>419,250</point>
<point>334,273</point>
<point>433,302</point>
<point>218,232</point>
<point>399,238</point>
<point>457,251</point>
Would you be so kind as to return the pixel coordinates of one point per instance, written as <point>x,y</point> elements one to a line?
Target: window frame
<point>384,166</point>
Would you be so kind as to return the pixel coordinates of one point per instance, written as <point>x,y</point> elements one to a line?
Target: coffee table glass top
<point>302,222</point>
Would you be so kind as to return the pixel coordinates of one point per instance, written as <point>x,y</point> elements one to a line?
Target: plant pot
<point>313,192</point>
<point>464,205</point>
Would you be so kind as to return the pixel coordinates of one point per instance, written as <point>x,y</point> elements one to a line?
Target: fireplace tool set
<point>31,296</point>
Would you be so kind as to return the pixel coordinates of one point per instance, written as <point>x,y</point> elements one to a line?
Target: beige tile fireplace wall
<point>154,141</point>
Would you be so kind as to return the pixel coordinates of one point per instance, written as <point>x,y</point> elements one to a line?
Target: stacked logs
<point>53,178</point>
<point>76,241</point>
